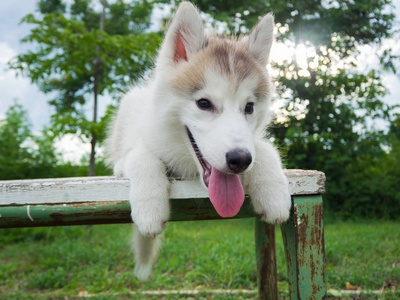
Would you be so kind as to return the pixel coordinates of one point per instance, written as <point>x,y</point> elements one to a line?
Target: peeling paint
<point>28,213</point>
<point>304,247</point>
<point>266,260</point>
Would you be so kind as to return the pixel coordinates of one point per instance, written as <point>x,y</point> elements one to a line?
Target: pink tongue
<point>225,192</point>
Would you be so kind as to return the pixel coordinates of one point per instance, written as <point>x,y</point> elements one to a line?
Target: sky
<point>11,12</point>
<point>39,111</point>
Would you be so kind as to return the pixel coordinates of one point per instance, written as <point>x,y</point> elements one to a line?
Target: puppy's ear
<point>260,39</point>
<point>185,35</point>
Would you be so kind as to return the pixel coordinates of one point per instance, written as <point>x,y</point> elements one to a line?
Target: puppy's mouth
<point>204,164</point>
<point>225,190</point>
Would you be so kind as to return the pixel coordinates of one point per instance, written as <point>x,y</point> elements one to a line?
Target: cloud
<point>6,53</point>
<point>19,88</point>
<point>392,83</point>
<point>72,148</point>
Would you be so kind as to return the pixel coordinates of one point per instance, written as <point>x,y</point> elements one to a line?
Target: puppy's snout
<point>238,160</point>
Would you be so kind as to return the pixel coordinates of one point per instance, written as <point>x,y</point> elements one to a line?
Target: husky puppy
<point>202,115</point>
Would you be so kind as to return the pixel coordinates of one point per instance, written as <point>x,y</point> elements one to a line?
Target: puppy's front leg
<point>267,185</point>
<point>149,187</point>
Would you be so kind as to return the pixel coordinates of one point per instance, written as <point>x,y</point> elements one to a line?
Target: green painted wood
<point>112,212</point>
<point>202,209</point>
<point>303,237</point>
<point>266,260</point>
<point>65,214</point>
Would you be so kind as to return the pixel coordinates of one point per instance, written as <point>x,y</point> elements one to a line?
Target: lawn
<point>59,262</point>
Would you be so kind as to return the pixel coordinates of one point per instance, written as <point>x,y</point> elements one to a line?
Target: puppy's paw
<point>267,218</point>
<point>150,212</point>
<point>150,224</point>
<point>273,204</point>
<point>151,228</point>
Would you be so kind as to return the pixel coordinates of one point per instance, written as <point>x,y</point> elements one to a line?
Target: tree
<point>22,154</point>
<point>328,97</point>
<point>83,52</point>
<point>25,155</point>
<point>14,131</point>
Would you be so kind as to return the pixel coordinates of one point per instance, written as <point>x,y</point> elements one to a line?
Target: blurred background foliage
<point>329,104</point>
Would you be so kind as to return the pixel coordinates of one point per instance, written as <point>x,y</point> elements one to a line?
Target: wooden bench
<point>103,200</point>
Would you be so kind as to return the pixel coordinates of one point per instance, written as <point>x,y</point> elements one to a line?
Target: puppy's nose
<point>238,160</point>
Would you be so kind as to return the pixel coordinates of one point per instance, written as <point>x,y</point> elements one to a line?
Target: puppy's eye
<point>249,108</point>
<point>204,104</point>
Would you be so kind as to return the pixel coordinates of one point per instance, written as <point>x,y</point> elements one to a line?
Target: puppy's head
<point>221,91</point>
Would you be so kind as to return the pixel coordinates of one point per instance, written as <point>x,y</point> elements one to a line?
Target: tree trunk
<point>92,162</point>
<point>93,142</point>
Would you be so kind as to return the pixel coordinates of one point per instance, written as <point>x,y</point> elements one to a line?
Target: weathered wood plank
<point>305,182</point>
<point>99,189</point>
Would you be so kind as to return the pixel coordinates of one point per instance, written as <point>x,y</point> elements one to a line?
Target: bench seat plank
<point>108,188</point>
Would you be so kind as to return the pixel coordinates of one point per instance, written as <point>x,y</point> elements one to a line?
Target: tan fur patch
<point>229,57</point>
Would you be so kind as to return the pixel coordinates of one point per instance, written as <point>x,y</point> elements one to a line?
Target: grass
<point>58,262</point>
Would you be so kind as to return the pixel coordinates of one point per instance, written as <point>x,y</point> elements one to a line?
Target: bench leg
<point>266,260</point>
<point>303,237</point>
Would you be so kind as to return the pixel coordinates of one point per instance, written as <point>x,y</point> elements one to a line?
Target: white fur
<point>146,251</point>
<point>149,138</point>
<point>261,37</point>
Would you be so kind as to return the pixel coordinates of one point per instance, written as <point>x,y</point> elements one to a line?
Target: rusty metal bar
<point>303,237</point>
<point>266,260</point>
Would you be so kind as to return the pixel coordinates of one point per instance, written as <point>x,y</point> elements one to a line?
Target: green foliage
<point>72,44</point>
<point>370,181</point>
<point>26,155</point>
<point>357,21</point>
<point>46,7</point>
<point>68,55</point>
<point>14,130</point>
<point>23,155</point>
